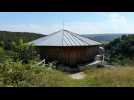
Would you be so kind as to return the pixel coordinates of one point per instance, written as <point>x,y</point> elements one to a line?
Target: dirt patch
<point>80,75</point>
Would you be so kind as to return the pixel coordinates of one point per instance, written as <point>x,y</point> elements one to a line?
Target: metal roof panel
<point>64,38</point>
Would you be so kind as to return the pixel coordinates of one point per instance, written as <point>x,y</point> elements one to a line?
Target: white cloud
<point>118,23</point>
<point>37,28</point>
<point>117,18</point>
<point>113,23</point>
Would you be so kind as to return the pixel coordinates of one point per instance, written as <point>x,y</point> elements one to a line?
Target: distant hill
<point>8,37</point>
<point>103,37</point>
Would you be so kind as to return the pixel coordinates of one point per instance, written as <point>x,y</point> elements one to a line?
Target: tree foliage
<point>23,52</point>
<point>121,50</point>
<point>2,55</point>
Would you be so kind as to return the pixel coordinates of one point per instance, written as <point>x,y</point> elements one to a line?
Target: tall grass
<point>117,77</point>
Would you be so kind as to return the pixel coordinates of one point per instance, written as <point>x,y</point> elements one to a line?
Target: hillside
<point>8,37</point>
<point>103,37</point>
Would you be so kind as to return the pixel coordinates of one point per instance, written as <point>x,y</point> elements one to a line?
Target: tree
<point>23,52</point>
<point>121,49</point>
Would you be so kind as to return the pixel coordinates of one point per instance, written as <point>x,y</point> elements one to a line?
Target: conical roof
<point>64,38</point>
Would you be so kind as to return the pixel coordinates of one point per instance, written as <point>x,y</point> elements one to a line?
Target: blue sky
<point>80,22</point>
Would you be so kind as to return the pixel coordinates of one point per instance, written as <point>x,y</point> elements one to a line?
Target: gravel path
<point>79,75</point>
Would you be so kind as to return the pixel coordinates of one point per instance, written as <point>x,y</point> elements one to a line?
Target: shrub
<point>23,52</point>
<point>16,74</point>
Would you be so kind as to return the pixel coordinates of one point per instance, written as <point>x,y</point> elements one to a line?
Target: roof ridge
<point>79,38</point>
<point>65,37</point>
<point>80,35</point>
<point>72,38</point>
<point>62,36</point>
<point>74,34</point>
<point>68,39</point>
<point>85,38</point>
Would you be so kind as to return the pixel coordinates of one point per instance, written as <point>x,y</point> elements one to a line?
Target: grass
<point>18,75</point>
<point>105,77</point>
<point>117,77</point>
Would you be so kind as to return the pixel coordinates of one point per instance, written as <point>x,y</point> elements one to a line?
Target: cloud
<point>118,23</point>
<point>113,23</point>
<point>37,28</point>
<point>117,18</point>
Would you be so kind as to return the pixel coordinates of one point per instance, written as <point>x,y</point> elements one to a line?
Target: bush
<point>16,74</point>
<point>23,52</point>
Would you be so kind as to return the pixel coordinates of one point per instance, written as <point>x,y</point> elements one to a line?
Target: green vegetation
<point>18,65</point>
<point>6,38</point>
<point>2,55</point>
<point>23,52</point>
<point>116,77</point>
<point>121,50</point>
<point>18,68</point>
<point>16,74</point>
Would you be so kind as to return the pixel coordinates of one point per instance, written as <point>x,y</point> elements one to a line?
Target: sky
<point>79,22</point>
